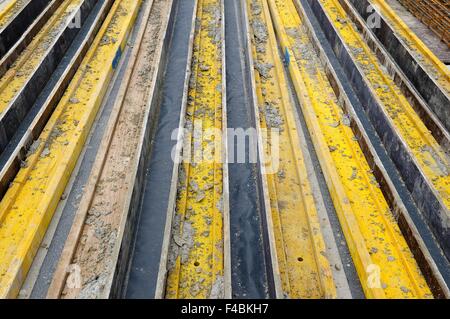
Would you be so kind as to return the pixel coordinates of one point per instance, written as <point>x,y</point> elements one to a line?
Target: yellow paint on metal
<point>304,267</point>
<point>26,64</point>
<point>9,11</point>
<point>427,58</point>
<point>426,151</point>
<point>196,266</point>
<point>30,202</point>
<point>384,263</point>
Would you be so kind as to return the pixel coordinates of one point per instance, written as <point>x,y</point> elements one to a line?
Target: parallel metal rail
<point>421,106</point>
<point>21,85</point>
<point>156,168</point>
<point>303,266</point>
<point>404,40</point>
<point>371,231</point>
<point>434,13</point>
<point>422,162</point>
<point>137,99</point>
<point>29,204</point>
<point>195,260</point>
<point>390,239</point>
<point>426,73</point>
<point>15,18</point>
<point>13,50</point>
<point>252,274</point>
<point>425,248</point>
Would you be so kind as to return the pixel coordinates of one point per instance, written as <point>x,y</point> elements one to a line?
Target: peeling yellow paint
<point>9,11</point>
<point>385,265</point>
<point>196,255</point>
<point>301,252</point>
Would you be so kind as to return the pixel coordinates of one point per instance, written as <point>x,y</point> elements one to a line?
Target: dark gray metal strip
<point>15,113</point>
<point>155,172</point>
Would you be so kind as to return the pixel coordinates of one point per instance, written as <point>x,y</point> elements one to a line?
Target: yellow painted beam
<point>384,263</point>
<point>196,256</point>
<point>426,151</point>
<point>29,60</point>
<point>30,202</point>
<point>304,268</point>
<point>427,58</point>
<point>9,10</point>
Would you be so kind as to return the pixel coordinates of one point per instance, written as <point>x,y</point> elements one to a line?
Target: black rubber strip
<point>157,174</point>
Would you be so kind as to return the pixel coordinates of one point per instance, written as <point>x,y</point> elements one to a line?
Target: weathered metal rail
<point>422,162</point>
<point>251,245</point>
<point>426,73</point>
<point>29,204</point>
<point>373,100</point>
<point>17,16</point>
<point>434,13</point>
<point>303,269</point>
<point>106,207</point>
<point>23,82</point>
<point>412,223</point>
<point>157,166</point>
<point>15,153</point>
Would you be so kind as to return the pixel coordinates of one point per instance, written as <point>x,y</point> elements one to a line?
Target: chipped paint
<point>362,209</point>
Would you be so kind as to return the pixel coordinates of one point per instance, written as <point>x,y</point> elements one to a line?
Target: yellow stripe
<point>373,237</point>
<point>29,204</point>
<point>417,47</point>
<point>9,11</point>
<point>428,154</point>
<point>304,267</point>
<point>29,60</point>
<point>196,266</point>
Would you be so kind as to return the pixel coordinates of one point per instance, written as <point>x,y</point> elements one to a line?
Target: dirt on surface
<point>13,81</point>
<point>12,12</point>
<point>99,237</point>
